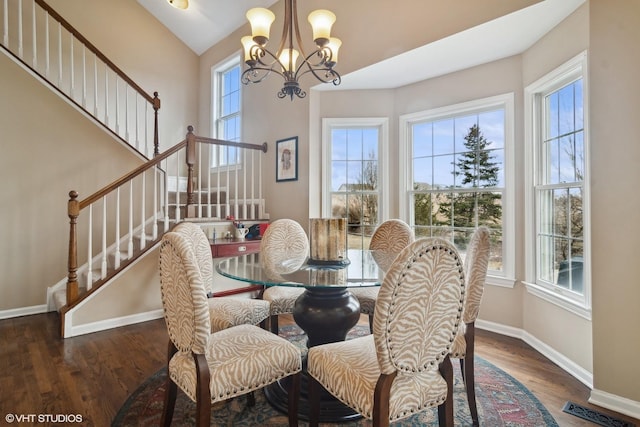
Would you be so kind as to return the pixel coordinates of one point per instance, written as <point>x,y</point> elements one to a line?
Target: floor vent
<point>594,416</point>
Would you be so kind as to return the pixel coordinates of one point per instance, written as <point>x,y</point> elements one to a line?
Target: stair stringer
<point>131,296</point>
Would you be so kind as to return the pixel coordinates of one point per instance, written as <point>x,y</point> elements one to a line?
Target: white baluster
<point>72,67</point>
<point>106,95</point>
<point>89,250</point>
<point>154,170</point>
<point>95,86</point>
<point>130,243</point>
<point>33,33</point>
<point>177,166</point>
<point>126,114</point>
<point>244,182</point>
<point>5,32</point>
<point>166,196</point>
<point>253,183</point>
<point>59,55</point>
<point>117,254</point>
<point>117,105</point>
<point>20,48</point>
<point>103,267</point>
<point>46,45</point>
<point>218,156</point>
<point>143,233</point>
<point>84,76</point>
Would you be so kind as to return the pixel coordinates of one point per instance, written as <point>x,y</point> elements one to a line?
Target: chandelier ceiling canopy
<point>289,61</point>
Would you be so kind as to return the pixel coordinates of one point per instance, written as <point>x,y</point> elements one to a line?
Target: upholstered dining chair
<point>228,311</point>
<point>475,267</point>
<point>403,367</point>
<point>387,240</point>
<point>212,367</point>
<point>283,240</point>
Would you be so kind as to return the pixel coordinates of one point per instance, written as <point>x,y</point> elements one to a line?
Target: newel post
<point>156,141</point>
<point>191,160</point>
<point>73,210</point>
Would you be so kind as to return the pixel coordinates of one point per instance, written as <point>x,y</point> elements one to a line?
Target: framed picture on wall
<point>287,159</point>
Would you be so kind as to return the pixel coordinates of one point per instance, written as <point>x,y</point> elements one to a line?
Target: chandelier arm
<point>251,75</point>
<point>330,76</point>
<point>257,53</point>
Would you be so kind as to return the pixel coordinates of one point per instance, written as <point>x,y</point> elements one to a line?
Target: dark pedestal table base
<point>326,315</point>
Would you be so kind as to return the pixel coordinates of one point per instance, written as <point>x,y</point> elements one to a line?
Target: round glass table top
<point>365,268</point>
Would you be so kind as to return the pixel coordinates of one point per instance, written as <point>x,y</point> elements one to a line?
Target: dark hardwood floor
<point>92,375</point>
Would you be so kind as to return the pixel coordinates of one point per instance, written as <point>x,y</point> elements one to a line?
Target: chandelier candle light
<point>262,62</point>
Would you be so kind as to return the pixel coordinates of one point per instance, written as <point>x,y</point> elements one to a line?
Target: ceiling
<point>485,43</point>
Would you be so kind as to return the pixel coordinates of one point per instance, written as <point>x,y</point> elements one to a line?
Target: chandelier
<point>262,62</point>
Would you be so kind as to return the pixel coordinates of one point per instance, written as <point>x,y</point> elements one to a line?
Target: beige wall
<point>615,174</point>
<point>49,149</point>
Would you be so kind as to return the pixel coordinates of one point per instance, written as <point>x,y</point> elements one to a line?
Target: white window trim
<point>507,278</point>
<point>567,72</point>
<point>382,123</point>
<point>231,60</point>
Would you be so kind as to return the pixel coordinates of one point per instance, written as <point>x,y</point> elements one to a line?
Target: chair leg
<point>294,397</point>
<point>469,376</point>
<point>170,394</point>
<point>273,324</point>
<point>203,392</point>
<point>371,323</point>
<point>445,409</point>
<point>251,399</point>
<point>314,402</point>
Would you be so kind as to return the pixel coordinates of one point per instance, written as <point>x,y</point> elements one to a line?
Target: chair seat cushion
<point>281,298</point>
<point>367,298</point>
<point>349,370</point>
<point>241,359</point>
<point>226,312</point>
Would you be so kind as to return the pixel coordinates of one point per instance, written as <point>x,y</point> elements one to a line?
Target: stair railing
<point>129,216</point>
<point>38,38</point>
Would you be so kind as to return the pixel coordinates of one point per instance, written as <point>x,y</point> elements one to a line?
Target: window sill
<point>558,299</point>
<point>500,281</point>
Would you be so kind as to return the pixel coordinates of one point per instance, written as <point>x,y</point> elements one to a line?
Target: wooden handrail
<point>128,177</point>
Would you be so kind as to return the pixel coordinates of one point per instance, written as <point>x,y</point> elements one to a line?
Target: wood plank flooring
<point>92,375</point>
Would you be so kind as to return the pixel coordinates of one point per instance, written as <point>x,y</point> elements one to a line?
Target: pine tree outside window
<point>459,174</point>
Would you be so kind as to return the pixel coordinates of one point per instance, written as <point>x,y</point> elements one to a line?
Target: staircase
<point>120,223</point>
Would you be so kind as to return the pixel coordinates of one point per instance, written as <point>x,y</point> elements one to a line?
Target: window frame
<point>382,124</point>
<point>570,71</point>
<point>217,71</point>
<point>506,277</point>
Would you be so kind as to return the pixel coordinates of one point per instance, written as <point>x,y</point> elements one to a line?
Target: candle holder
<point>328,241</point>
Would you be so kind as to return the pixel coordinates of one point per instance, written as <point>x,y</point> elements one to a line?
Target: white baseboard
<point>619,404</point>
<point>73,331</point>
<point>606,400</point>
<point>23,311</point>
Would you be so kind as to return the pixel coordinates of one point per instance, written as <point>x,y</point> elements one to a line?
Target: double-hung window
<point>458,176</point>
<point>227,112</point>
<point>557,141</point>
<point>354,153</point>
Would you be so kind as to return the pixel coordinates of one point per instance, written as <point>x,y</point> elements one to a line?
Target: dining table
<point>325,311</point>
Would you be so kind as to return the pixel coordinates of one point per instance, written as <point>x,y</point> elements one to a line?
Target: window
<point>458,177</point>
<point>227,112</point>
<point>353,177</point>
<point>557,142</point>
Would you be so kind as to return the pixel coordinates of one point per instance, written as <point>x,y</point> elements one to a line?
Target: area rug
<point>501,399</point>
